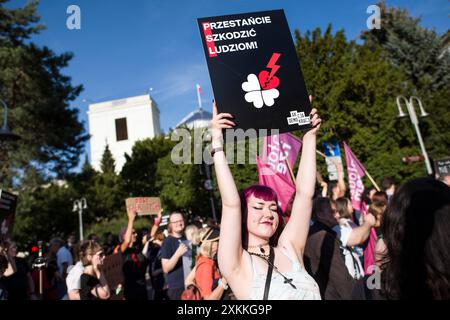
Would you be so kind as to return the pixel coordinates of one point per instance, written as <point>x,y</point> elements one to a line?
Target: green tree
<point>35,90</point>
<point>181,187</point>
<point>104,191</point>
<point>421,52</point>
<point>45,212</point>
<point>354,89</point>
<point>107,164</point>
<point>423,56</point>
<point>139,170</point>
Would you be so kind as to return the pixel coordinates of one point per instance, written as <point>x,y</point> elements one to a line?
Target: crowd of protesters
<point>320,248</point>
<point>409,258</point>
<point>155,263</point>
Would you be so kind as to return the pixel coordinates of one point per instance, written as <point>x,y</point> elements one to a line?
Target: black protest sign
<point>442,167</point>
<point>255,72</point>
<point>8,203</point>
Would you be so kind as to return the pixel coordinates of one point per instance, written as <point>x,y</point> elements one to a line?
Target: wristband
<point>223,285</point>
<point>157,221</point>
<point>215,150</point>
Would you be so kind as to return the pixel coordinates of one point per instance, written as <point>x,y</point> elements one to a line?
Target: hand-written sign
<point>144,205</point>
<point>112,267</point>
<point>8,202</point>
<point>442,167</point>
<point>255,72</point>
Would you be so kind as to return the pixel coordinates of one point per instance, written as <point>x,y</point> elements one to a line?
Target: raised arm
<point>322,183</point>
<point>341,183</point>
<point>230,249</point>
<point>129,232</point>
<point>156,224</point>
<point>296,230</point>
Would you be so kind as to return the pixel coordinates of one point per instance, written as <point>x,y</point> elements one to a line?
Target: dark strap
<point>355,263</point>
<point>269,274</point>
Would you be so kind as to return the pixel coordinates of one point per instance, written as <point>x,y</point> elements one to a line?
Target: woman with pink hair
<point>257,256</point>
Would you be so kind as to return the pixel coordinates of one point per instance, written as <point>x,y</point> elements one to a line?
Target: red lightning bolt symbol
<point>272,64</point>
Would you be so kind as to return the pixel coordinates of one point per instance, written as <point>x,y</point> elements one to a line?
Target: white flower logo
<point>261,90</point>
<point>255,95</point>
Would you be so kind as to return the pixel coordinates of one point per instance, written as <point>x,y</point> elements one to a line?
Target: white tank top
<point>306,287</point>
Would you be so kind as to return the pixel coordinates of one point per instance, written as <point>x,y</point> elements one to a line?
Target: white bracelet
<point>223,285</point>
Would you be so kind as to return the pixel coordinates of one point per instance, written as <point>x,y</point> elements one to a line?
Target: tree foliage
<point>107,163</point>
<point>424,57</point>
<point>38,97</point>
<point>421,52</point>
<point>355,88</point>
<point>139,170</point>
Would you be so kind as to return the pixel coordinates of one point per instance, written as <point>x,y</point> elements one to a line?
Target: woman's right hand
<point>220,121</point>
<point>181,250</point>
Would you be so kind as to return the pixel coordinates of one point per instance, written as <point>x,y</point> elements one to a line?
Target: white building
<point>120,123</point>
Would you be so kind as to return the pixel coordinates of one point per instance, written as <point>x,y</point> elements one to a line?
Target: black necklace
<point>265,257</point>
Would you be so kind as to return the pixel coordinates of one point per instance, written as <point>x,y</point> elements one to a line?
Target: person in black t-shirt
<point>93,284</point>
<point>155,267</point>
<point>4,266</point>
<point>20,285</point>
<point>134,263</point>
<point>172,250</point>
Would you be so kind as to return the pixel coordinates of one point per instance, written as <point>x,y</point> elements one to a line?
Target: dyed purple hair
<point>261,192</point>
<point>264,193</point>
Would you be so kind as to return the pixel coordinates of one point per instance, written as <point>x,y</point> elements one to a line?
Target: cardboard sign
<point>442,167</point>
<point>8,203</point>
<point>144,205</point>
<point>332,154</point>
<point>255,72</point>
<point>112,267</point>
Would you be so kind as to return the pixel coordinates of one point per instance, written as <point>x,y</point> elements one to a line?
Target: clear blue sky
<point>126,47</point>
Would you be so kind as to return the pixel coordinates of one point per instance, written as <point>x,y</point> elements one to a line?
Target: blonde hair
<point>89,248</point>
<point>190,231</point>
<point>202,239</point>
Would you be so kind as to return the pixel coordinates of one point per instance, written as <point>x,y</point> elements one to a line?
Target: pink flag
<point>284,189</point>
<point>369,250</point>
<point>369,253</point>
<point>278,149</point>
<point>355,173</point>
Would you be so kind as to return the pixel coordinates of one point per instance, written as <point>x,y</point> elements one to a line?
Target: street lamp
<point>415,122</point>
<point>79,205</point>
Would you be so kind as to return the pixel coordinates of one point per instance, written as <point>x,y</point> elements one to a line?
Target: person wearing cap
<point>207,275</point>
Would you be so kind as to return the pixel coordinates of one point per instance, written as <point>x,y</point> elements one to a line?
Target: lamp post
<point>413,117</point>
<point>79,205</point>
